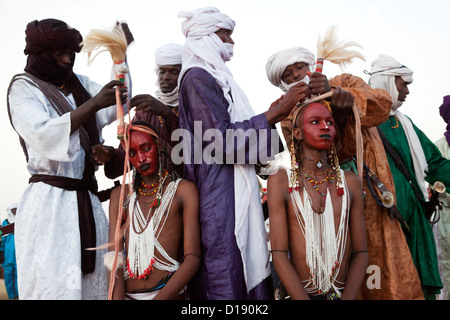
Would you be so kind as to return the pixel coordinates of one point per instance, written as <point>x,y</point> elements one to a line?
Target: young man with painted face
<point>316,215</point>
<point>160,244</point>
<point>423,163</point>
<point>385,280</point>
<point>160,111</point>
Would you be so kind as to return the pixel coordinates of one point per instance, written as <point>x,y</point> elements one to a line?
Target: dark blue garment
<point>221,272</point>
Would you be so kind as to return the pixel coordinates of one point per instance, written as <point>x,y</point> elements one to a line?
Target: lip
<point>325,136</point>
<point>144,167</point>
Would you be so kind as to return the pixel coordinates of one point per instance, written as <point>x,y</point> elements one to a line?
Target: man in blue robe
<point>224,142</point>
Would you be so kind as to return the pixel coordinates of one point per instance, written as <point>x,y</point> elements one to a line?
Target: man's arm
<point>105,98</point>
<point>277,191</point>
<point>148,103</point>
<point>357,227</point>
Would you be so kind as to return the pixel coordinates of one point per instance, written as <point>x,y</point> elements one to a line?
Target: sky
<point>414,32</point>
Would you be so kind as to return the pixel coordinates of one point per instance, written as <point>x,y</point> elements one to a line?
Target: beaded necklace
<point>154,186</point>
<point>144,234</point>
<point>314,183</point>
<point>396,125</point>
<point>325,246</point>
<point>317,161</point>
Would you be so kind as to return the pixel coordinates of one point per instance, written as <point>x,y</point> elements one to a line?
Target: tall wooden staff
<point>115,42</point>
<point>337,52</point>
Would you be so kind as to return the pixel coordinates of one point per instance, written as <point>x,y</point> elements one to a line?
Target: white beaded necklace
<point>143,236</point>
<point>324,247</point>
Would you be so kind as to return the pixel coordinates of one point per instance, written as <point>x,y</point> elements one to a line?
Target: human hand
<point>273,104</point>
<point>341,100</point>
<point>101,154</point>
<point>279,111</point>
<point>107,95</point>
<point>318,83</point>
<point>126,30</point>
<point>148,103</point>
<point>296,94</point>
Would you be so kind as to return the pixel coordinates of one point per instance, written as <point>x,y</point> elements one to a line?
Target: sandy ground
<point>3,295</point>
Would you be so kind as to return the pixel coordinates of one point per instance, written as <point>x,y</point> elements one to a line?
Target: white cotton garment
<point>47,233</point>
<point>204,49</point>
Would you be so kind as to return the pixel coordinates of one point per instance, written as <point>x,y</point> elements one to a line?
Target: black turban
<point>42,37</point>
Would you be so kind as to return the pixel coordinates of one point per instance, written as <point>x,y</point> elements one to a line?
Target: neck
<point>154,178</point>
<point>315,161</point>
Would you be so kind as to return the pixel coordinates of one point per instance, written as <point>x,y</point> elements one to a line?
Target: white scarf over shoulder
<point>204,49</point>
<point>383,71</point>
<point>168,55</point>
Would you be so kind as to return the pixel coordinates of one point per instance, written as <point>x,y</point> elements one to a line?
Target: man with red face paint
<point>160,111</point>
<point>285,69</point>
<point>316,215</point>
<point>160,246</point>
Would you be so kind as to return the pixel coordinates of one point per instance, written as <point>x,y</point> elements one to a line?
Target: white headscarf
<point>279,61</point>
<point>10,215</point>
<point>168,54</point>
<point>383,71</point>
<point>204,49</point>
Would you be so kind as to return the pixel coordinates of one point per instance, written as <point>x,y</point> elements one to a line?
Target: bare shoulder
<point>278,178</point>
<point>116,192</point>
<point>352,178</point>
<point>278,185</point>
<point>187,187</point>
<point>354,184</point>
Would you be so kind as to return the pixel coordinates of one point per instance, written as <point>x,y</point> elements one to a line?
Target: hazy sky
<point>416,33</point>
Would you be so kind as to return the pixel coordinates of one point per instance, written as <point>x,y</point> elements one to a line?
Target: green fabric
<point>420,238</point>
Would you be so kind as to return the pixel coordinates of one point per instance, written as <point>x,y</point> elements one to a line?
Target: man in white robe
<point>58,116</point>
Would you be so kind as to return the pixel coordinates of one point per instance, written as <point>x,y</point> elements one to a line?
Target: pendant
<point>319,164</point>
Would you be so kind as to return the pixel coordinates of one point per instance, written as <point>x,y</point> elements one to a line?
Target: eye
<point>131,154</point>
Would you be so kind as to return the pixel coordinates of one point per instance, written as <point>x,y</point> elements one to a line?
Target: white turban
<point>382,76</point>
<point>204,49</point>
<point>278,62</point>
<point>204,21</point>
<point>168,54</point>
<point>11,216</point>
